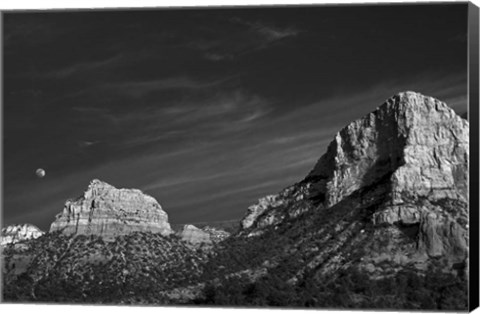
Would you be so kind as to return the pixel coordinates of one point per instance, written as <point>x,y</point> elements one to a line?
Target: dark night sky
<point>206,110</point>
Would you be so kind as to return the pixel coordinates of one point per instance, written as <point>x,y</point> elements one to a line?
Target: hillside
<point>386,205</point>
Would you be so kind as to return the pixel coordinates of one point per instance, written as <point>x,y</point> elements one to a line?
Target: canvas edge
<point>473,95</point>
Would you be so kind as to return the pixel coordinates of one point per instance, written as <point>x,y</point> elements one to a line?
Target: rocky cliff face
<point>17,233</point>
<point>108,212</point>
<point>406,163</point>
<point>417,139</point>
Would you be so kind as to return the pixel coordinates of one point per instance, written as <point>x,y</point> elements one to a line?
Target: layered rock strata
<point>418,140</point>
<point>109,212</point>
<point>415,149</point>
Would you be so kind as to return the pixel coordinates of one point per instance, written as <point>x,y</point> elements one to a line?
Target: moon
<point>40,172</point>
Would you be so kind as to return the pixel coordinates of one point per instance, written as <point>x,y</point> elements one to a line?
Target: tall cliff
<point>108,212</point>
<point>417,139</point>
<point>401,171</point>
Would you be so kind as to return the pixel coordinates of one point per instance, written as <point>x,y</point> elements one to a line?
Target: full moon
<point>40,173</point>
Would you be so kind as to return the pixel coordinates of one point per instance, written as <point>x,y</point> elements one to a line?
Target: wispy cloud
<point>82,67</point>
<point>140,88</point>
<point>273,34</point>
<point>84,144</point>
<point>29,31</point>
<point>210,117</point>
<point>218,56</point>
<point>246,37</point>
<point>215,175</point>
<point>269,33</point>
<point>90,110</point>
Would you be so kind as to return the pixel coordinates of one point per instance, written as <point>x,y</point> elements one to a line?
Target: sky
<point>206,110</point>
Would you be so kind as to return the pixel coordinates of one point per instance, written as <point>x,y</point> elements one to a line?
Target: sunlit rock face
<point>109,212</point>
<point>418,141</point>
<point>409,157</point>
<point>17,233</point>
<point>254,211</point>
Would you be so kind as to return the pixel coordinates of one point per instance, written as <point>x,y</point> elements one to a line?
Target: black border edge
<point>473,97</point>
<point>1,143</point>
<point>196,7</point>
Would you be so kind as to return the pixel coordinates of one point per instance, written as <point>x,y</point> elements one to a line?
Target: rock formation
<point>106,211</point>
<point>413,151</point>
<point>419,139</point>
<point>254,211</point>
<point>216,235</point>
<point>195,236</point>
<point>17,233</point>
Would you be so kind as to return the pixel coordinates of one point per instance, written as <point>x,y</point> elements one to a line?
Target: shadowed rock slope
<point>388,202</point>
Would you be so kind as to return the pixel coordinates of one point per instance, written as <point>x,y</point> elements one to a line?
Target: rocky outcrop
<point>414,150</point>
<point>216,235</point>
<point>17,233</point>
<point>109,212</point>
<point>256,210</point>
<point>273,209</point>
<point>441,236</point>
<point>418,141</point>
<point>195,236</point>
